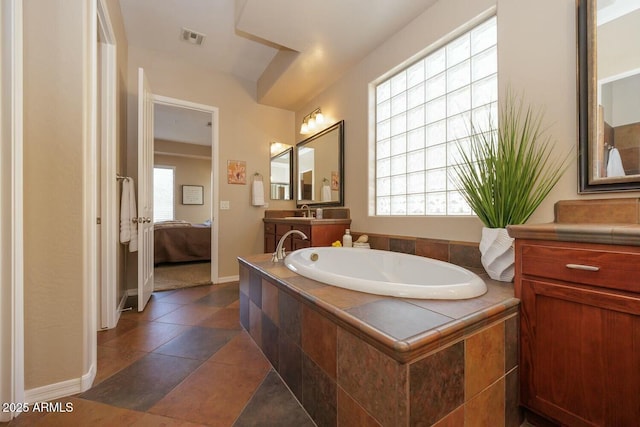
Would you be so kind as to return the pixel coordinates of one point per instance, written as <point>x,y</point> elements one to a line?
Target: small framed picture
<point>335,181</point>
<point>236,172</point>
<point>192,195</point>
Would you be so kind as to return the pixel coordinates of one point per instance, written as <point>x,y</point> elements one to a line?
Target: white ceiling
<point>181,124</point>
<point>316,41</point>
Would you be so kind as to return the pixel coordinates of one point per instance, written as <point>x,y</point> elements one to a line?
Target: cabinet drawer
<point>596,267</point>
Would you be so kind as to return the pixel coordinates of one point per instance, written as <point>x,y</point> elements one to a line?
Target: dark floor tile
<point>397,318</point>
<point>197,343</point>
<point>144,383</point>
<point>220,296</point>
<point>273,405</point>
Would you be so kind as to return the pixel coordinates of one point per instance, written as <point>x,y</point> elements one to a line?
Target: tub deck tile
<point>397,318</point>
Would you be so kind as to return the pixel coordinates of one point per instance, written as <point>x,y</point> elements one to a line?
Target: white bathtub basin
<point>386,273</point>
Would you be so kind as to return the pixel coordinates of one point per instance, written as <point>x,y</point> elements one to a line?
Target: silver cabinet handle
<point>583,267</point>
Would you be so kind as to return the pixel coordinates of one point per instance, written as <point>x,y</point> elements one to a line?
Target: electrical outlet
<point>224,205</point>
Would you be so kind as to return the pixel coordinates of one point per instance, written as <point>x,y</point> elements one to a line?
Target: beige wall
<point>536,55</point>
<point>55,69</point>
<point>53,198</point>
<point>189,171</point>
<point>245,131</point>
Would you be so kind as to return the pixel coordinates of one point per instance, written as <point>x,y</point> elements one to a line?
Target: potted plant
<point>504,175</point>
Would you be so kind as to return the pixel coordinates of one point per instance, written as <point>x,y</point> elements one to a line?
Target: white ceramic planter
<point>497,254</point>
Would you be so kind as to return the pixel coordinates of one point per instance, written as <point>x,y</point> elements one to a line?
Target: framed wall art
<point>193,195</point>
<point>236,172</point>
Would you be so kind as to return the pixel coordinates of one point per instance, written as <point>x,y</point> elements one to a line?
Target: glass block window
<point>163,193</point>
<point>423,113</point>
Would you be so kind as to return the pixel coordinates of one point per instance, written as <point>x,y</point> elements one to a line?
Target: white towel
<point>614,165</point>
<point>326,193</point>
<point>128,211</point>
<point>257,196</point>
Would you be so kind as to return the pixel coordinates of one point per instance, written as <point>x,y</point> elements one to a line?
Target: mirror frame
<point>588,105</point>
<point>340,127</point>
<point>291,161</point>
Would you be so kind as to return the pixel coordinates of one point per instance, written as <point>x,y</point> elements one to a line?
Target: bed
<point>181,241</point>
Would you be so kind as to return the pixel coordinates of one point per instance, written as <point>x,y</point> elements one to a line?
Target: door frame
<point>108,311</point>
<point>11,199</point>
<point>215,182</point>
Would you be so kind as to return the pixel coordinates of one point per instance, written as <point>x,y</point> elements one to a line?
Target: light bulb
<point>312,123</point>
<point>319,118</point>
<point>304,128</point>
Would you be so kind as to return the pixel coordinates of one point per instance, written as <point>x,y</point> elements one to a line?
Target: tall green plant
<point>509,170</point>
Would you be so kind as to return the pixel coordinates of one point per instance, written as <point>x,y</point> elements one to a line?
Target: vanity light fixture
<point>311,121</point>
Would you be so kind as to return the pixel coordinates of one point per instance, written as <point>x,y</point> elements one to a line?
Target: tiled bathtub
<point>355,359</point>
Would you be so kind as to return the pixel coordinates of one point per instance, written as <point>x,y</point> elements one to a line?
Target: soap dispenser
<point>347,240</point>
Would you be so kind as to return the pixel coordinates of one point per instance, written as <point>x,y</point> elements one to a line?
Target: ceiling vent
<point>191,36</point>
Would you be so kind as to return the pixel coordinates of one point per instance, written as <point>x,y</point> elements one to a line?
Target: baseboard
<point>130,293</point>
<point>228,279</point>
<point>61,389</point>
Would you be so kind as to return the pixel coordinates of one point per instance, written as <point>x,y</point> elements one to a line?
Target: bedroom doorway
<point>186,199</point>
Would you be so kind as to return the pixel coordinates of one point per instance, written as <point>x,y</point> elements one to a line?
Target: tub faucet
<point>308,214</point>
<point>279,254</point>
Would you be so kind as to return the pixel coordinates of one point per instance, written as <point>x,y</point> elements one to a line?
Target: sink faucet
<point>279,254</point>
<point>308,214</point>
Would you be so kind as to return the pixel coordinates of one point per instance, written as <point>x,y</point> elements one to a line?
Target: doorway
<point>186,137</point>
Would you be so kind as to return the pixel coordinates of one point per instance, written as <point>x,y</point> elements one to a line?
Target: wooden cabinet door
<point>269,243</point>
<point>580,354</point>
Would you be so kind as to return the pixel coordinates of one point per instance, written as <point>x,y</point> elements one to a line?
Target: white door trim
<point>109,312</point>
<point>11,200</point>
<point>215,181</point>
<point>89,232</point>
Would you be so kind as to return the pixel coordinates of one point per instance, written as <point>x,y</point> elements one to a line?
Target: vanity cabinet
<point>580,331</point>
<point>319,233</point>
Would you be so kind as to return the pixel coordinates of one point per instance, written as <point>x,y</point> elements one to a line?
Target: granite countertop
<point>611,234</point>
<point>605,221</point>
<point>309,221</point>
<point>400,327</point>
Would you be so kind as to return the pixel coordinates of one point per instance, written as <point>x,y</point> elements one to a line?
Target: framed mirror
<point>320,168</point>
<point>609,95</point>
<point>281,172</point>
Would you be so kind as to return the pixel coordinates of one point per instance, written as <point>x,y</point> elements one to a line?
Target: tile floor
<point>184,361</point>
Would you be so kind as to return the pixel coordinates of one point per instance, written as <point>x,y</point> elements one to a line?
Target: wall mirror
<point>609,95</point>
<point>281,171</point>
<point>320,168</point>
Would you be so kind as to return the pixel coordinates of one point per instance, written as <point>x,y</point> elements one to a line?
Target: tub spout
<point>279,254</point>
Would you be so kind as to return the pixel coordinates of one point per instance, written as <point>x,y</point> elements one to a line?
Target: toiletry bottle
<point>319,213</point>
<point>347,240</point>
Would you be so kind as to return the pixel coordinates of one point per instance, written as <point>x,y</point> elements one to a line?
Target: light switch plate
<point>224,205</point>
